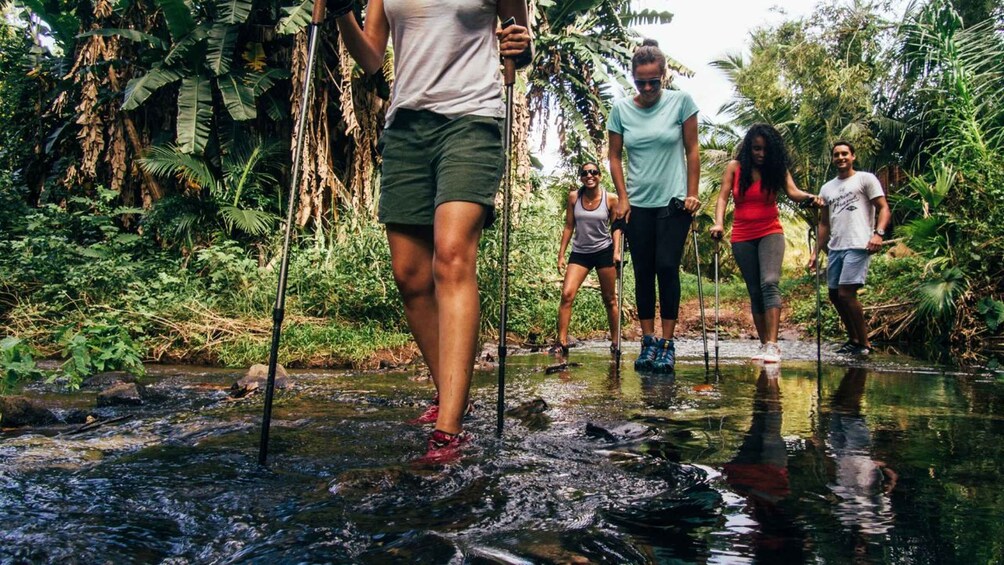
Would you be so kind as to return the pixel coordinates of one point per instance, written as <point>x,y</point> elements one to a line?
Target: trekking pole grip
<point>317,16</point>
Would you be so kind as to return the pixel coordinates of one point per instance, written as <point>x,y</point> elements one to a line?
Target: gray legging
<point>759,262</point>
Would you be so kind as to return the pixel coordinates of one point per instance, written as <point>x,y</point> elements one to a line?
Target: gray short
<point>847,267</point>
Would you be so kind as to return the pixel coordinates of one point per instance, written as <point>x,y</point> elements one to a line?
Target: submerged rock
<point>18,412</point>
<point>256,378</point>
<point>623,432</point>
<point>121,394</point>
<point>103,380</point>
<point>535,406</point>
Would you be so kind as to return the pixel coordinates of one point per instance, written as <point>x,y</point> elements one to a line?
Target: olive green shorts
<point>429,159</point>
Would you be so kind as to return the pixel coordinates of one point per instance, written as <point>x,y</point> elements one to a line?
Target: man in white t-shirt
<point>849,232</point>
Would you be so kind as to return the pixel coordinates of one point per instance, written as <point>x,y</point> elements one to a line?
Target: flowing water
<point>886,461</point>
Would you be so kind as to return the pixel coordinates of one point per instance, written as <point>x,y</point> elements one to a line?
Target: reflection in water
<point>861,483</point>
<point>759,471</point>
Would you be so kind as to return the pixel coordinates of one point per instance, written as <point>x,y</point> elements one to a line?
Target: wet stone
<point>18,412</point>
<point>256,378</point>
<point>122,394</point>
<point>623,432</point>
<point>104,380</point>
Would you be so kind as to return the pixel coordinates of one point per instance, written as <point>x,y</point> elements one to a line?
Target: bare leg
<point>772,319</point>
<point>760,322</point>
<point>648,326</point>
<point>458,229</point>
<point>411,252</point>
<point>855,314</point>
<point>574,275</point>
<point>844,314</point>
<point>668,328</point>
<point>608,288</point>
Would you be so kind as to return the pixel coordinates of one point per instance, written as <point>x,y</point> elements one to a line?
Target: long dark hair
<point>774,170</point>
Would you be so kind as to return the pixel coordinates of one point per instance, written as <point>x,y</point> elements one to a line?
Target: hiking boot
<point>648,349</point>
<point>758,356</point>
<point>848,347</point>
<point>665,357</point>
<point>772,353</point>
<point>444,447</point>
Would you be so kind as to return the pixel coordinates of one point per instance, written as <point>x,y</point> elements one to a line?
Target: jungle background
<point>145,165</point>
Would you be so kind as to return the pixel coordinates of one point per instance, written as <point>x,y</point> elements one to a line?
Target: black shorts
<point>595,260</point>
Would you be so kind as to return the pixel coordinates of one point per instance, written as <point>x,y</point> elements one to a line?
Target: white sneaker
<point>758,356</point>
<point>772,353</point>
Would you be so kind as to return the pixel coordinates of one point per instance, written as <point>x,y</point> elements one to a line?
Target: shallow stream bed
<point>882,461</point>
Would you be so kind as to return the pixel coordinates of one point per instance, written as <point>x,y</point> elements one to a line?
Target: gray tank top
<point>446,57</point>
<point>591,231</point>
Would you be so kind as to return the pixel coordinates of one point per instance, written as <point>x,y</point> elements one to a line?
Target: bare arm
<point>722,202</point>
<point>616,150</point>
<point>884,215</point>
<point>692,203</point>
<point>824,236</point>
<point>798,195</point>
<point>367,46</point>
<point>566,233</point>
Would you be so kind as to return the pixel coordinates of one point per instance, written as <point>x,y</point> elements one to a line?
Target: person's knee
<point>568,296</point>
<point>453,264</point>
<point>771,294</point>
<point>834,296</point>
<point>413,281</point>
<point>847,293</point>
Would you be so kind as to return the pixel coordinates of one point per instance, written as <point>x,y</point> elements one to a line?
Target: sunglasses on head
<point>590,172</point>
<point>645,82</point>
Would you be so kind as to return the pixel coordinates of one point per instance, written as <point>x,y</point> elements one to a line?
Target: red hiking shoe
<point>432,413</point>
<point>444,448</point>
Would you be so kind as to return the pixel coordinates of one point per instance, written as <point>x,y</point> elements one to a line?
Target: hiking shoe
<point>665,357</point>
<point>649,345</point>
<point>772,353</point>
<point>431,413</point>
<point>758,356</point>
<point>848,347</point>
<point>861,351</point>
<point>444,447</point>
<point>558,349</point>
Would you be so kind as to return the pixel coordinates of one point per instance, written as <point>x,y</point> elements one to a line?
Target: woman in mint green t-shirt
<point>658,128</point>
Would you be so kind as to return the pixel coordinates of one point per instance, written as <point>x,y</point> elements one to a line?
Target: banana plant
<point>200,55</point>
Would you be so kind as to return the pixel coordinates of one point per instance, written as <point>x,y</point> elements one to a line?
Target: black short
<point>596,260</point>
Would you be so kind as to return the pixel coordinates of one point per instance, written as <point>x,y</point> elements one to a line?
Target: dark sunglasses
<point>644,82</point>
<point>590,172</point>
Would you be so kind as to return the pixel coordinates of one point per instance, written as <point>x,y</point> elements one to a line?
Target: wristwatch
<point>880,233</point>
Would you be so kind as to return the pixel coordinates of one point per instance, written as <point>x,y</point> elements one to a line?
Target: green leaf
<point>64,25</point>
<point>233,11</point>
<point>254,222</point>
<point>182,47</point>
<point>992,311</point>
<point>195,111</point>
<point>297,18</point>
<point>222,40</point>
<point>130,34</point>
<point>178,16</point>
<point>139,89</point>
<point>260,83</point>
<point>238,98</point>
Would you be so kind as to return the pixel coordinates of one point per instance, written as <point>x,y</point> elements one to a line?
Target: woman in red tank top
<point>753,181</point>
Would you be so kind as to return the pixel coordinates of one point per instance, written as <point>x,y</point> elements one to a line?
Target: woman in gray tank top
<point>587,221</point>
<point>442,163</point>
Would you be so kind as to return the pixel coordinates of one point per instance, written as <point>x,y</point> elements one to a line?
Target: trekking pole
<point>819,306</point>
<point>700,298</point>
<point>718,243</point>
<point>509,79</point>
<point>278,311</point>
<point>620,301</point>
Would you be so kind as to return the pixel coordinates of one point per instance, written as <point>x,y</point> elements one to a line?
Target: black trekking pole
<point>700,298</point>
<point>509,77</point>
<point>278,311</point>
<point>718,245</point>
